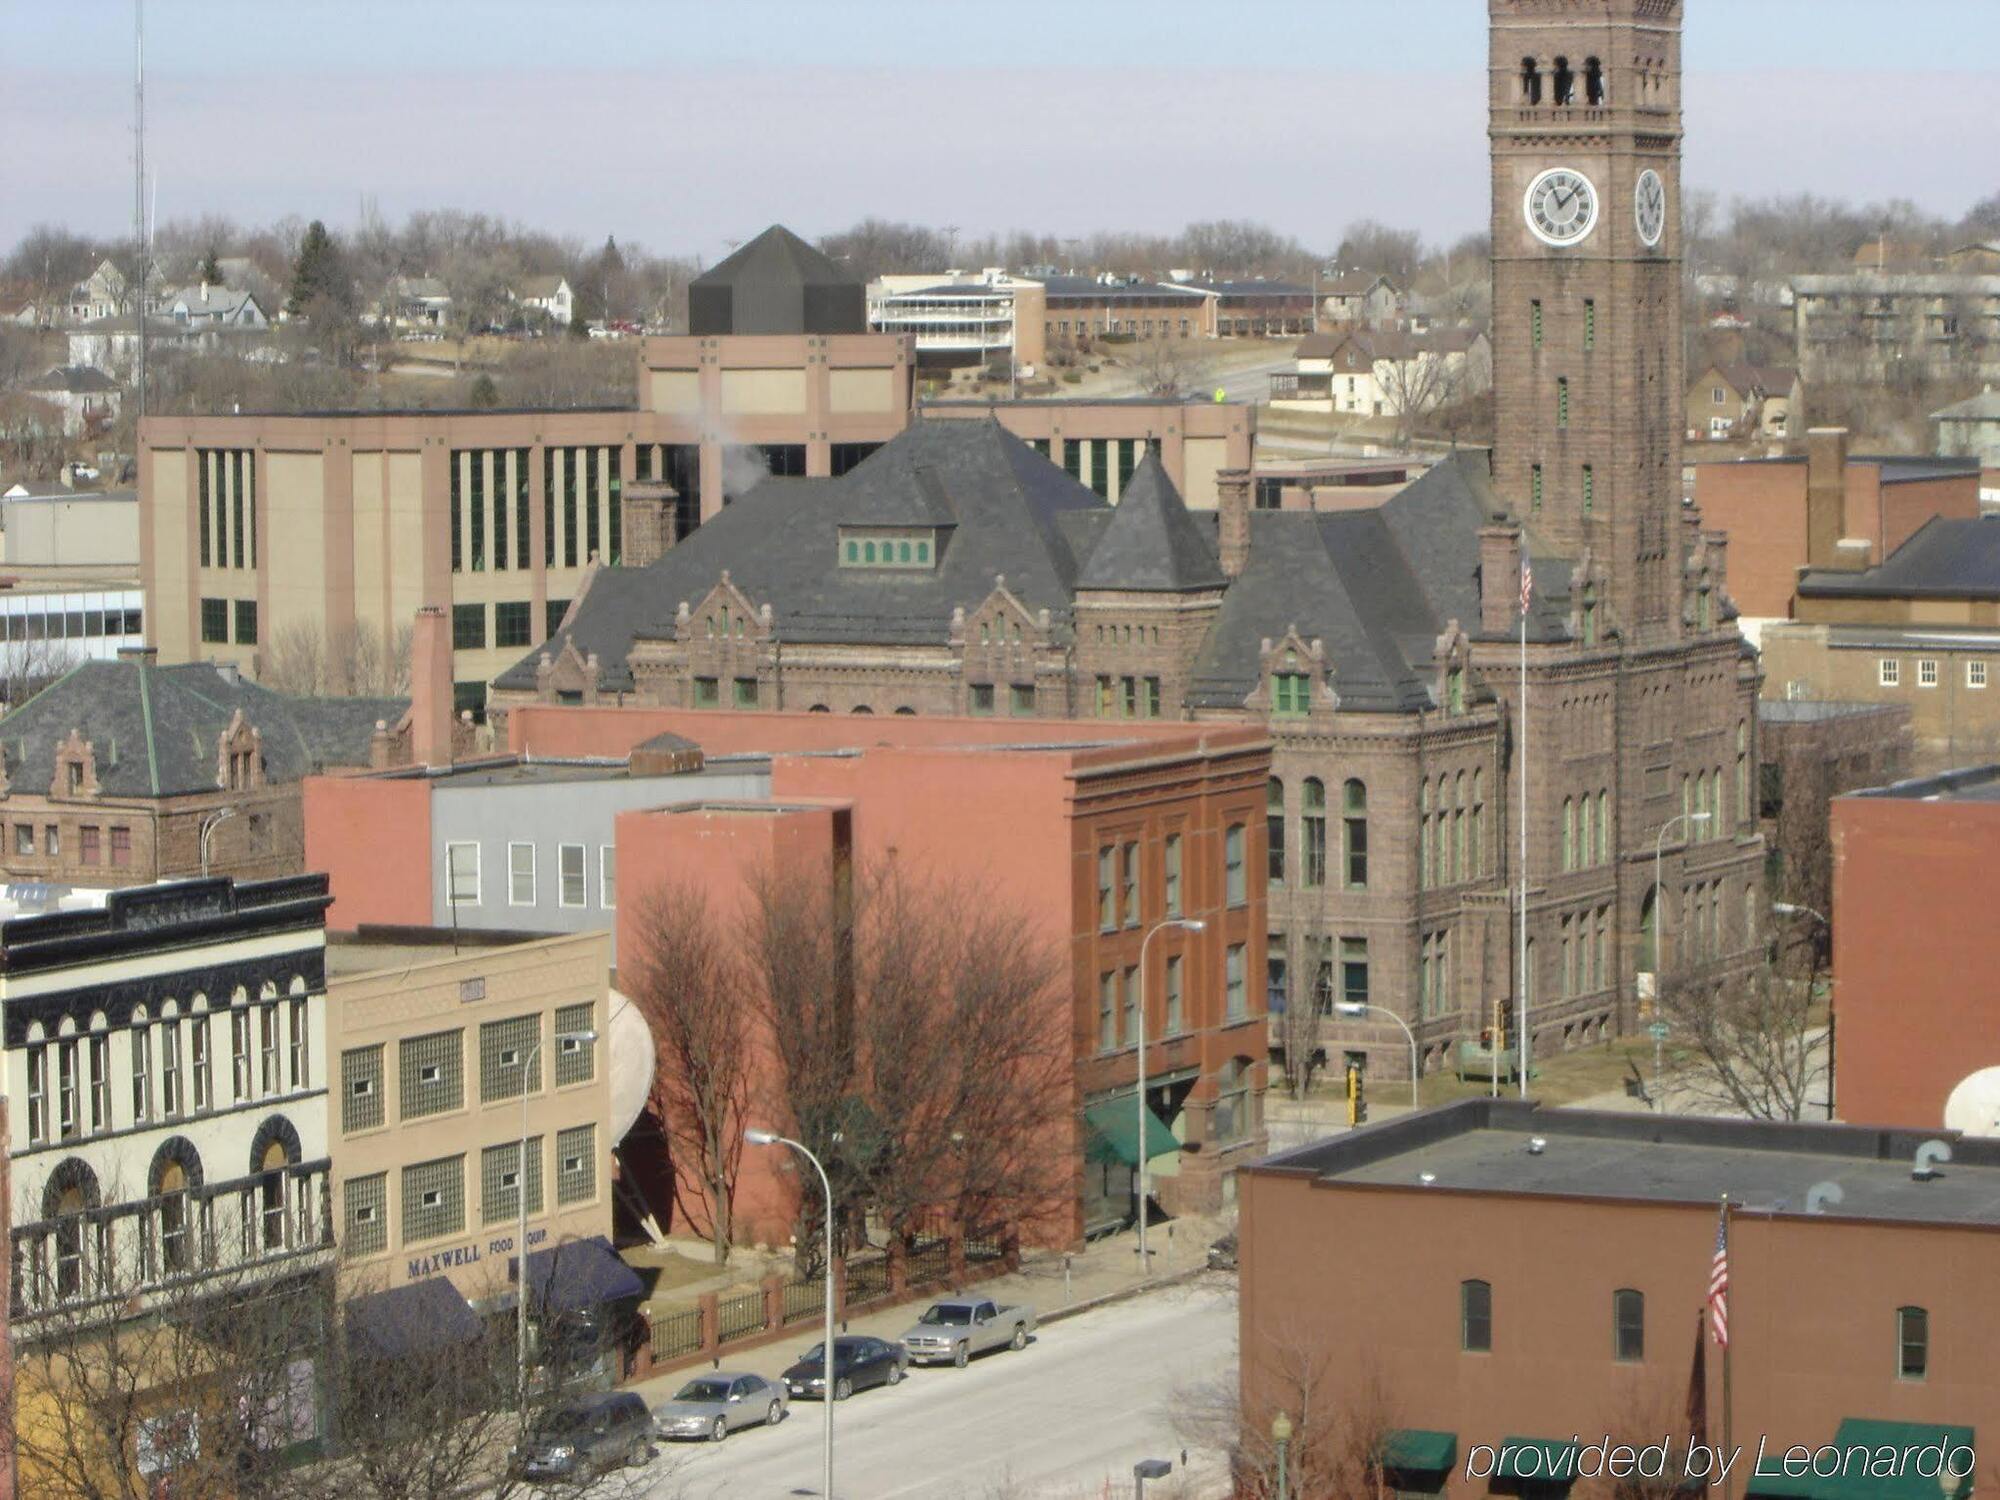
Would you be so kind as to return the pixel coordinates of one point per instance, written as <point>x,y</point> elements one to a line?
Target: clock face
<point>1649,206</point>
<point>1561,207</point>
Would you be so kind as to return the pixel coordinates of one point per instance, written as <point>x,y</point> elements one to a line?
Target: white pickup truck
<point>951,1331</point>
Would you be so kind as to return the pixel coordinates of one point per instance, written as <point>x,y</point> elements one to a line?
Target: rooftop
<point>1973,784</point>
<point>559,770</point>
<point>1946,558</point>
<point>1486,1146</point>
<point>1810,711</point>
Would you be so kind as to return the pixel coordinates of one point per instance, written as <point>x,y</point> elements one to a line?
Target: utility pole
<point>139,204</point>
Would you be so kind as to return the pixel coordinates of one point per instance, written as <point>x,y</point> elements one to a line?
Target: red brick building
<point>1915,947</point>
<point>1515,1277</point>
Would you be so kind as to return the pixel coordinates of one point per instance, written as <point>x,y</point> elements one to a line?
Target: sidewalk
<point>1053,1284</point>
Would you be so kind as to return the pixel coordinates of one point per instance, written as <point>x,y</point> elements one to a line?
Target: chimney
<point>430,688</point>
<point>1232,503</point>
<point>1499,579</point>
<point>1826,493</point>
<point>648,531</point>
<point>140,656</point>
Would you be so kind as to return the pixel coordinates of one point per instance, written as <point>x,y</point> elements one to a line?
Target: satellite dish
<point>1974,1106</point>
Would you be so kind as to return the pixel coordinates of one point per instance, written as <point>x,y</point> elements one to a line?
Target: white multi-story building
<point>165,1065</point>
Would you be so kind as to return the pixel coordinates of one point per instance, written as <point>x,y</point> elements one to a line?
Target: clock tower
<point>1585,112</point>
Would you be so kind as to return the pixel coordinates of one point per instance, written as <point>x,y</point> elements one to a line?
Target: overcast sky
<point>684,124</point>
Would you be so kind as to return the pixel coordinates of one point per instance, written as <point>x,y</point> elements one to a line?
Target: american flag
<point>1527,579</point>
<point>1718,1282</point>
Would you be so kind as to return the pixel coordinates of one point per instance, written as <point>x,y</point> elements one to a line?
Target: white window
<point>520,874</point>
<point>1718,396</point>
<point>1795,690</point>
<point>461,874</point>
<point>607,876</point>
<point>1975,674</point>
<point>1927,672</point>
<point>1890,672</point>
<point>570,857</point>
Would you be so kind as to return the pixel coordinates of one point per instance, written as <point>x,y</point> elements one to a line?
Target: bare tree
<point>1417,381</point>
<point>306,659</point>
<point>1295,1024</point>
<point>26,667</point>
<point>687,981</point>
<point>1169,368</point>
<point>1751,1043</point>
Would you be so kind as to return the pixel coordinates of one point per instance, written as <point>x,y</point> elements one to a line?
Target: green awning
<point>1777,1485</point>
<point>1114,1132</point>
<point>1895,1461</point>
<point>1549,1460</point>
<point>1417,1450</point>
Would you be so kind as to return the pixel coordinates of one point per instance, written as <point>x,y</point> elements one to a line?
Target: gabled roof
<point>1984,407</point>
<point>1000,507</point>
<point>1757,380</point>
<point>1946,558</point>
<point>1151,544</point>
<point>155,729</point>
<point>76,380</point>
<point>539,286</point>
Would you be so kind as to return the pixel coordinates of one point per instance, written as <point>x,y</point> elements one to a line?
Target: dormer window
<point>1454,689</point>
<point>1291,693</point>
<point>886,547</point>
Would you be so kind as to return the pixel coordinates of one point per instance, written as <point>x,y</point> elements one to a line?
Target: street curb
<point>1123,1294</point>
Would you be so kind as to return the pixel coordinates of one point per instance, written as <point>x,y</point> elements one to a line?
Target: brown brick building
<point>120,772</point>
<point>1465,1318</point>
<point>954,571</point>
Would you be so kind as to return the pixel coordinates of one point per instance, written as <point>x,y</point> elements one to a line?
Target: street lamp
<point>208,825</point>
<point>1791,909</point>
<point>1145,1469</point>
<point>1281,1434</point>
<point>772,1138</point>
<point>578,1038</point>
<point>1660,895</point>
<point>1185,924</point>
<point>1360,1008</point>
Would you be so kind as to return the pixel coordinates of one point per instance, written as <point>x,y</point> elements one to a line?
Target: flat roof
<point>1484,1146</point>
<point>519,771</point>
<point>1818,711</point>
<point>1973,784</point>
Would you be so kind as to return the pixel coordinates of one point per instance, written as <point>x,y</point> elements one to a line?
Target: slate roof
<point>155,728</point>
<point>1378,586</point>
<point>777,284</point>
<point>1946,558</point>
<point>1151,544</point>
<point>1001,510</point>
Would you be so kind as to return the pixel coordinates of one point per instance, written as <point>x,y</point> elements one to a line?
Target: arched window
<point>1478,822</point>
<point>175,1174</point>
<point>1274,826</point>
<point>819,708</point>
<point>1312,834</point>
<point>1475,1317</point>
<point>1649,932</point>
<point>1565,83</point>
<point>274,1148</point>
<point>1531,81</point>
<point>907,710</point>
<point>1354,808</point>
<point>1424,836</point>
<point>861,708</point>
<point>1569,834</point>
<point>1628,1325</point>
<point>1913,1343</point>
<point>71,1195</point>
<point>1593,82</point>
<point>868,552</point>
<point>1604,827</point>
<point>1586,849</point>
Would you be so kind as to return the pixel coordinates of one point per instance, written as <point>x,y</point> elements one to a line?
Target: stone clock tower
<point>1585,103</point>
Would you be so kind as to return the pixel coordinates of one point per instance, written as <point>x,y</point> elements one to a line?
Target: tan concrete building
<point>430,1054</point>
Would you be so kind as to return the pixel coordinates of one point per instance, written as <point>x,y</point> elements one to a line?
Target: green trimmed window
<point>1291,693</point>
<point>1562,401</point>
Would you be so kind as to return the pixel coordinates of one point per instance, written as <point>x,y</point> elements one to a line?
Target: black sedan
<point>858,1363</point>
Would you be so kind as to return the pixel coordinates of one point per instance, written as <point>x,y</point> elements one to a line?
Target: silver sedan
<point>713,1406</point>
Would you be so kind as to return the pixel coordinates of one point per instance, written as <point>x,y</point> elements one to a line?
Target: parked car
<point>953,1330</point>
<point>858,1363</point>
<point>1222,1254</point>
<point>587,1436</point>
<point>713,1406</point>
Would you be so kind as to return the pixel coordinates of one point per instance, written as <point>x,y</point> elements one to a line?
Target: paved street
<point>1080,1405</point>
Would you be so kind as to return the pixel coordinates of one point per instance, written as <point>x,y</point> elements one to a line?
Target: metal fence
<point>867,1277</point>
<point>930,1259</point>
<point>804,1299</point>
<point>737,1316</point>
<point>676,1333</point>
<point>984,1250</point>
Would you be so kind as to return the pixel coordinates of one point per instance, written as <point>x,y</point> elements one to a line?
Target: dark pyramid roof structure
<point>1151,544</point>
<point>777,284</point>
<point>155,730</point>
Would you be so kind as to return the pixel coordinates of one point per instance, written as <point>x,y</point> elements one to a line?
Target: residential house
<point>86,396</point>
<point>1358,299</point>
<point>548,295</point>
<point>100,295</point>
<point>1981,259</point>
<point>1971,429</point>
<point>1374,373</point>
<point>209,305</point>
<point>417,302</point>
<point>1743,400</point>
<point>1886,325</point>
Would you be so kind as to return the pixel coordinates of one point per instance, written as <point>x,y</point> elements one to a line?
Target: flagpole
<point>1521,1009</point>
<point>1728,1348</point>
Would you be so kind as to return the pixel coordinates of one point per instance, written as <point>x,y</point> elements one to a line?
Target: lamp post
<point>1660,896</point>
<point>772,1138</point>
<point>208,826</point>
<point>1185,924</point>
<point>1281,1435</point>
<point>1790,909</point>
<point>583,1038</point>
<point>1361,1008</point>
<point>1145,1469</point>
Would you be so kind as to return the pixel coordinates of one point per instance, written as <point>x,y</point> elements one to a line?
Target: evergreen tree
<point>319,276</point>
<point>211,268</point>
<point>485,394</point>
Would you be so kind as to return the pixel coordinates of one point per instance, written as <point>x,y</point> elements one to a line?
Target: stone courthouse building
<point>958,571</point>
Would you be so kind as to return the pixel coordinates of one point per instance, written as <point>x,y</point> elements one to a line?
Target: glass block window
<point>576,1061</point>
<point>576,1164</point>
<point>500,1181</point>
<point>504,1061</point>
<point>362,1106</point>
<point>432,1071</point>
<point>433,1199</point>
<point>365,1215</point>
